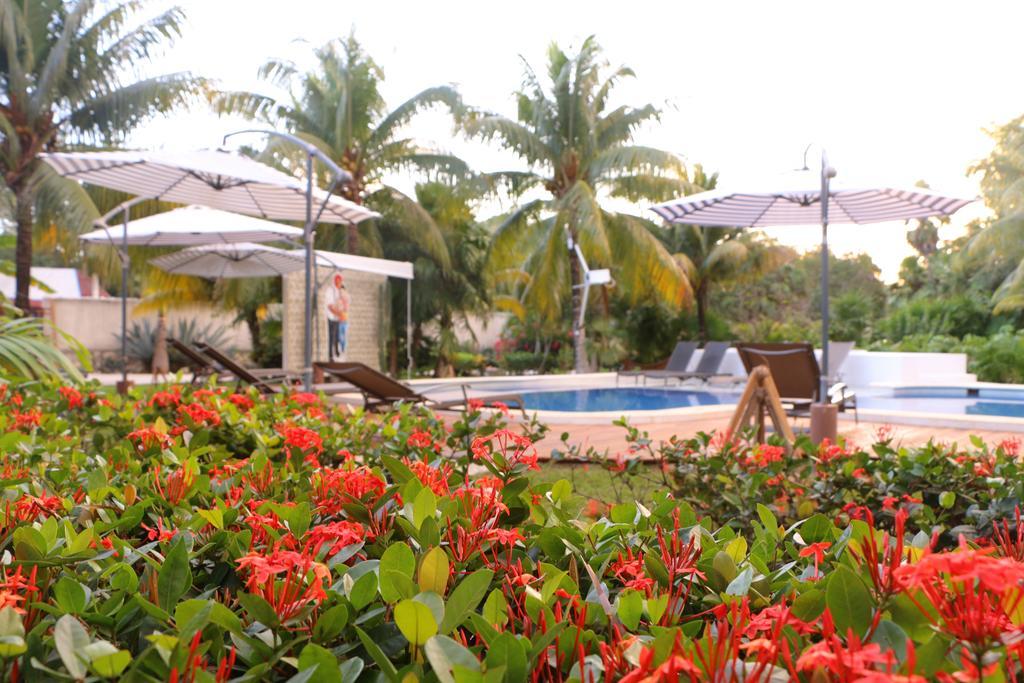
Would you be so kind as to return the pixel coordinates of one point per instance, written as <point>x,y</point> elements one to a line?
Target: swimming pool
<point>939,400</point>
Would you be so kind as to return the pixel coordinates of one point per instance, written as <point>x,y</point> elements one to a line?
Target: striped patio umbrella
<point>797,200</point>
<point>215,178</point>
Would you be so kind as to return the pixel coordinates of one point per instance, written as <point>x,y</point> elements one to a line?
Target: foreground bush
<point>202,535</point>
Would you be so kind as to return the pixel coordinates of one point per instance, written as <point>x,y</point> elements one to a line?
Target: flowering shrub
<point>200,535</point>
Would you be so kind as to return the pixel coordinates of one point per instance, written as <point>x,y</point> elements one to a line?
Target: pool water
<point>622,399</point>
<point>941,400</point>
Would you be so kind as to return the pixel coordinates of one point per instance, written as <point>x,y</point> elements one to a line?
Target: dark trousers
<point>333,341</point>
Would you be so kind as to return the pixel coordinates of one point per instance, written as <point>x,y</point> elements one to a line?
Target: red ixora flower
<point>336,535</point>
<point>243,402</point>
<point>286,579</point>
<point>199,415</point>
<point>146,438</point>
<point>305,440</point>
<point>177,485</point>
<point>27,420</point>
<point>72,396</point>
<point>420,439</point>
<point>16,588</point>
<point>817,550</point>
<point>165,399</point>
<point>505,449</point>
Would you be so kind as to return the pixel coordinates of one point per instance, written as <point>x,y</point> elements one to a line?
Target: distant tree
<point>578,150</point>
<point>69,76</point>
<point>337,106</point>
<point>1000,245</point>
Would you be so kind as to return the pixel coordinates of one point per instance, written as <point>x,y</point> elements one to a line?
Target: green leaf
<point>325,663</point>
<point>817,529</point>
<point>415,621</point>
<point>445,654</point>
<point>630,608</point>
<point>768,520</point>
<point>947,499</point>
<point>70,639</point>
<point>258,609</point>
<point>106,660</point>
<point>397,559</point>
<point>364,590</point>
<point>464,599</point>
<point>70,595</point>
<point>848,601</point>
<point>331,623</point>
<point>175,577</point>
<point>378,656</point>
<point>656,607</point>
<point>891,637</point>
<point>561,491</point>
<point>496,608</point>
<point>423,507</point>
<point>809,605</point>
<point>433,574</point>
<point>506,651</point>
<point>740,586</point>
<point>12,633</point>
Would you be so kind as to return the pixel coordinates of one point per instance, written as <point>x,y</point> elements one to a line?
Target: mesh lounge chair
<point>707,367</point>
<point>796,374</point>
<point>266,380</point>
<point>677,362</point>
<point>379,390</point>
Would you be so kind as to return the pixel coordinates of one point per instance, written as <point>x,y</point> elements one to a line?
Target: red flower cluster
<point>27,420</point>
<point>146,438</point>
<point>165,399</point>
<point>198,415</point>
<point>71,396</point>
<point>505,449</point>
<point>177,486</point>
<point>288,580</point>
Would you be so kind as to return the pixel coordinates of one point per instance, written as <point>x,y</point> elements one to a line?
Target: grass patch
<point>596,483</point>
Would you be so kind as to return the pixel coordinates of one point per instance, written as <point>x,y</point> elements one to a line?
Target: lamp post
<point>340,175</point>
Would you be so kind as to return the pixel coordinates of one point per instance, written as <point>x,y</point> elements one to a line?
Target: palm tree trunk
<point>702,311</point>
<point>578,333</point>
<point>352,239</point>
<point>24,204</point>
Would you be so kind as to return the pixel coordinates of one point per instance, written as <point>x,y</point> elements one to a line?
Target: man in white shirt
<point>337,305</point>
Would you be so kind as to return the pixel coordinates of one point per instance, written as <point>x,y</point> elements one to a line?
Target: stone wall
<point>365,322</point>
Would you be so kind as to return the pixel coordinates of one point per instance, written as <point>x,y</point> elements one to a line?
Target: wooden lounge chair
<point>677,362</point>
<point>707,367</point>
<point>199,364</point>
<point>797,375</point>
<point>266,380</point>
<point>380,391</point>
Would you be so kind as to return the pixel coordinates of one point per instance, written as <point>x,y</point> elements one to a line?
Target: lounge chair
<point>199,364</point>
<point>379,390</point>
<point>677,362</point>
<point>796,374</point>
<point>266,380</point>
<point>707,367</point>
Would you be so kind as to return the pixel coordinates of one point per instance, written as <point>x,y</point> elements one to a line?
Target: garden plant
<point>199,534</point>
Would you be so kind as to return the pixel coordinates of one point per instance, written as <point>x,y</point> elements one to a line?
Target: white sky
<point>896,91</point>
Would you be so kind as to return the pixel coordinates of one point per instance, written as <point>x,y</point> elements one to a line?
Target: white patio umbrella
<point>798,201</point>
<point>190,226</point>
<point>238,260</point>
<point>221,180</point>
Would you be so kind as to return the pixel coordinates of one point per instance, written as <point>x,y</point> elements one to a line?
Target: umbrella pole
<point>307,360</point>
<point>826,174</point>
<point>124,302</point>
<point>408,327</point>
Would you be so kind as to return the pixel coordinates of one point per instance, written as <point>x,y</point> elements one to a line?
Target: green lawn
<point>596,483</point>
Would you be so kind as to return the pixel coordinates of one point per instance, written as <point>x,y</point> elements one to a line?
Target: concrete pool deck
<point>612,439</point>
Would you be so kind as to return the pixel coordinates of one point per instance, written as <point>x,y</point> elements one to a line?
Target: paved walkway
<point>612,438</point>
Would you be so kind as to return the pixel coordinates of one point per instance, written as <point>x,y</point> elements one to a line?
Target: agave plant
<point>142,338</point>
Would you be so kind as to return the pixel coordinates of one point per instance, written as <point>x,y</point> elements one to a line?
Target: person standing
<point>337,305</point>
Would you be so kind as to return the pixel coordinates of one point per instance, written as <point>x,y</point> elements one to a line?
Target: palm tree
<point>445,295</point>
<point>579,152</point>
<point>68,77</point>
<point>338,107</point>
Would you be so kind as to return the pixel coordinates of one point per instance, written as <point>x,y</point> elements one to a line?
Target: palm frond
<point>630,160</point>
<point>403,113</point>
<point>642,266</point>
<point>510,135</point>
<point>416,224</point>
